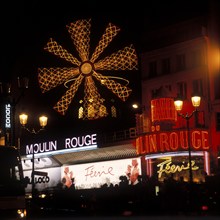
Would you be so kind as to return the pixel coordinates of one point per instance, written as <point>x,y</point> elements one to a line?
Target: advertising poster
<point>52,179</point>
<point>95,175</point>
<point>178,168</point>
<point>38,163</point>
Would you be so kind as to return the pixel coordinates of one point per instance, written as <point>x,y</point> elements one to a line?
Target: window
<point>182,89</point>
<point>113,112</point>
<point>91,111</point>
<point>166,66</point>
<point>168,87</point>
<point>80,113</point>
<point>152,69</point>
<point>196,58</point>
<point>216,86</point>
<point>153,93</point>
<point>198,87</point>
<point>102,111</point>
<point>218,121</point>
<point>199,119</point>
<point>180,62</point>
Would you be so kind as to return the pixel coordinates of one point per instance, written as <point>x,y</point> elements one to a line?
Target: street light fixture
<point>23,121</point>
<point>43,122</point>
<point>178,106</point>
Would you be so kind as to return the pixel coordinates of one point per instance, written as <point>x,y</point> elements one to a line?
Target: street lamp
<point>43,122</point>
<point>23,121</point>
<point>178,106</point>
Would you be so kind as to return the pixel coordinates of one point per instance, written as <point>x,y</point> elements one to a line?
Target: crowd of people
<point>146,197</point>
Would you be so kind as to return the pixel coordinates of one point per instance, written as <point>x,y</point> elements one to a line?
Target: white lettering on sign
<point>8,116</point>
<point>87,140</point>
<point>70,144</point>
<point>41,147</point>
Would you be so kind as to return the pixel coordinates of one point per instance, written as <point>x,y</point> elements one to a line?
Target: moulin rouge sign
<point>83,142</point>
<point>160,142</point>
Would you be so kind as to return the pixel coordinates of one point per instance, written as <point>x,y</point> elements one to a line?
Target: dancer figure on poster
<point>67,179</point>
<point>134,172</point>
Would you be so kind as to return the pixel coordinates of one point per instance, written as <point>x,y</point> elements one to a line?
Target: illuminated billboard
<point>95,175</point>
<point>84,176</point>
<point>51,180</point>
<point>176,165</point>
<point>67,145</point>
<point>168,141</point>
<point>163,109</point>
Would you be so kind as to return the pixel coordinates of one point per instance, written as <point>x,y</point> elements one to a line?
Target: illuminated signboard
<point>41,163</point>
<point>44,182</point>
<point>169,167</point>
<point>85,176</point>
<point>163,109</point>
<point>95,175</point>
<point>172,141</point>
<point>176,166</point>
<point>72,144</point>
<point>7,116</point>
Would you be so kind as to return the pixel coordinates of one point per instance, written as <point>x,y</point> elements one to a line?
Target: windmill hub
<point>86,68</point>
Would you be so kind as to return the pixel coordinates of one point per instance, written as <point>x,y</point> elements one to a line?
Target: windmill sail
<point>85,70</point>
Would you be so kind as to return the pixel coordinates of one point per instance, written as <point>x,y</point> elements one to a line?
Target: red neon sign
<point>172,141</point>
<point>163,109</point>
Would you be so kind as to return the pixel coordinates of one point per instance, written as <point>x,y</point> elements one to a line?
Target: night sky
<point>26,27</point>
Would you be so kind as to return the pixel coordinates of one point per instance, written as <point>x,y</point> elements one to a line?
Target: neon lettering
<point>167,167</point>
<point>172,141</point>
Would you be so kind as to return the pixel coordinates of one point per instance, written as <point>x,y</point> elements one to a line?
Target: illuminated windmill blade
<point>80,34</point>
<point>53,77</point>
<point>53,47</point>
<point>63,104</point>
<point>93,103</point>
<point>110,32</point>
<point>119,90</point>
<point>125,59</point>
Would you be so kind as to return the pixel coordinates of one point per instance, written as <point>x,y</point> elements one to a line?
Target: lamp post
<point>43,122</point>
<point>178,106</point>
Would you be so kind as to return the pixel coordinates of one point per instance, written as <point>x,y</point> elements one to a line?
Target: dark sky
<point>27,25</point>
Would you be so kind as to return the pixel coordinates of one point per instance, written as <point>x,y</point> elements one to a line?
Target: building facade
<point>181,60</point>
<point>83,161</point>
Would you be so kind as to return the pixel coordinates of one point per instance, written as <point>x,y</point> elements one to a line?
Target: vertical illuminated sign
<point>7,116</point>
<point>8,124</point>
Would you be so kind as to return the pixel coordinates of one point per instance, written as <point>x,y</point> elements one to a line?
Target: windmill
<point>86,70</point>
